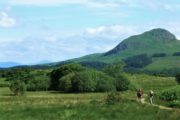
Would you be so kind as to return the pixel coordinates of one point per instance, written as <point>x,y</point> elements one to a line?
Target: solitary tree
<point>18,87</point>
<point>18,79</point>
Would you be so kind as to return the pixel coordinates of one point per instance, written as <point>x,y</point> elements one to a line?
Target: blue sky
<point>56,30</point>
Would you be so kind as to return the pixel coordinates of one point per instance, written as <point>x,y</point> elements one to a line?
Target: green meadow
<point>52,105</point>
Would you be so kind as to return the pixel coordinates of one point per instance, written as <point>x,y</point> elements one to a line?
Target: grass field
<point>52,105</point>
<point>3,82</point>
<point>162,63</point>
<point>148,82</point>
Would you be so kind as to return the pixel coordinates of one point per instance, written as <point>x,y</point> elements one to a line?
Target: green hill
<point>154,40</point>
<point>151,42</point>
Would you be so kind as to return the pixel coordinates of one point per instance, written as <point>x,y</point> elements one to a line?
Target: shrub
<point>75,78</point>
<point>18,87</point>
<point>121,82</point>
<point>92,81</point>
<point>18,79</point>
<point>176,54</point>
<point>38,83</point>
<point>178,78</point>
<point>84,82</point>
<point>170,94</point>
<point>159,55</point>
<point>113,97</point>
<point>105,83</point>
<point>65,83</point>
<point>175,104</point>
<point>56,74</point>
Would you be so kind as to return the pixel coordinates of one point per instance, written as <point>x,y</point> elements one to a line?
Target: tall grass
<point>52,105</point>
<point>128,110</point>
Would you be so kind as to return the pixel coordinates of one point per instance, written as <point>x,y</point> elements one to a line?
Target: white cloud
<point>153,4</point>
<point>174,27</point>
<point>168,5</point>
<point>90,3</point>
<point>6,21</point>
<point>51,46</point>
<point>172,7</point>
<point>46,2</point>
<point>112,32</point>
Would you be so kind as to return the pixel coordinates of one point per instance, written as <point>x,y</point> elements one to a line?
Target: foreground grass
<point>126,110</point>
<point>89,106</point>
<point>50,105</point>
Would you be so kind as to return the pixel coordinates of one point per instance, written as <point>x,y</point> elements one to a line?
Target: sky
<point>55,30</point>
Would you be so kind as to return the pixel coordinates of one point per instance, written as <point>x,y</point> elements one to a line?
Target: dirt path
<point>155,105</point>
<point>160,106</point>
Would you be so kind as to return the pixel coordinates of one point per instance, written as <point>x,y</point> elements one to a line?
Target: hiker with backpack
<point>151,96</point>
<point>140,95</point>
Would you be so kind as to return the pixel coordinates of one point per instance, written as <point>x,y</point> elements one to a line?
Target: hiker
<point>151,96</point>
<point>139,93</point>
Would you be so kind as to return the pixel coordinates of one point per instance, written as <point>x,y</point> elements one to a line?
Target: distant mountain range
<point>16,64</point>
<point>9,64</point>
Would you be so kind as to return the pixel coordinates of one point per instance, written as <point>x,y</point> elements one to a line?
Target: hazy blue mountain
<point>8,64</point>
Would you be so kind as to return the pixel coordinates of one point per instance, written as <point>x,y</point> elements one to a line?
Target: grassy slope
<point>168,62</point>
<point>3,82</point>
<point>148,82</point>
<point>140,44</point>
<point>164,63</point>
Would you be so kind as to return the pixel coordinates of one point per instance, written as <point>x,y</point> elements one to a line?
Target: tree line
<point>73,78</point>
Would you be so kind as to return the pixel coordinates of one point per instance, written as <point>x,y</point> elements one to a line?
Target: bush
<point>38,83</point>
<point>115,70</point>
<point>65,83</point>
<point>75,78</point>
<point>178,78</point>
<point>92,81</point>
<point>105,83</point>
<point>57,74</point>
<point>176,54</point>
<point>159,55</point>
<point>174,104</point>
<point>121,82</point>
<point>113,97</point>
<point>84,82</point>
<point>18,87</point>
<point>170,94</point>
